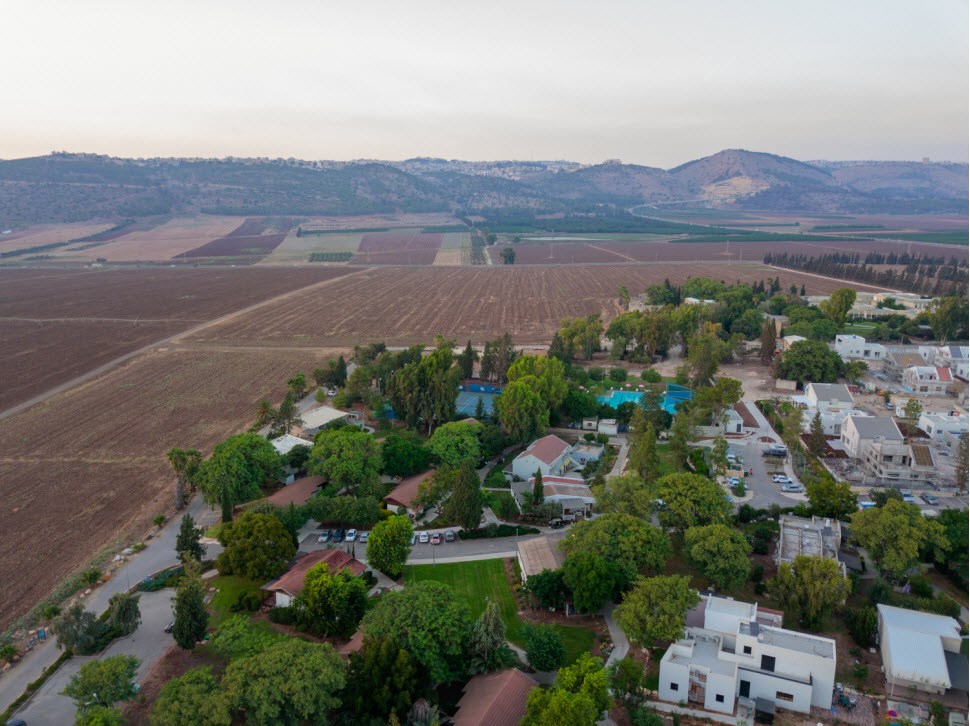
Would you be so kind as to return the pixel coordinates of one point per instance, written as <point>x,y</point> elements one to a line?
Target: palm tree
<point>185,463</point>
<point>265,413</point>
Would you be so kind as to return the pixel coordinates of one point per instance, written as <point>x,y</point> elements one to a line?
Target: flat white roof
<point>911,642</point>
<point>285,443</point>
<point>320,417</point>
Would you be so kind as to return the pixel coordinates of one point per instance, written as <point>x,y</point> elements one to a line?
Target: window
<point>674,686</point>
<point>719,698</point>
<point>747,650</point>
<point>768,663</point>
<point>781,696</point>
<point>745,689</point>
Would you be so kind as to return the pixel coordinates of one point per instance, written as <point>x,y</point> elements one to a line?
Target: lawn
<point>229,589</point>
<point>480,580</point>
<point>668,462</point>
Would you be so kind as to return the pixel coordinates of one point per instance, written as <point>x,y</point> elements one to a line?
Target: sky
<point>648,82</point>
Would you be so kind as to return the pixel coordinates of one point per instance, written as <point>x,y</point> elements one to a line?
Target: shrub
<point>8,651</point>
<point>497,530</point>
<point>920,587</point>
<point>646,716</point>
<point>158,520</point>
<point>282,616</point>
<point>862,624</point>
<point>246,601</point>
<point>91,577</point>
<point>595,373</point>
<point>589,437</point>
<point>747,513</point>
<point>739,489</point>
<point>618,374</point>
<point>757,573</point>
<point>651,376</point>
<point>602,439</point>
<point>860,671</point>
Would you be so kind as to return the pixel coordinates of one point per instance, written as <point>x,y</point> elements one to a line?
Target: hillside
<point>66,187</point>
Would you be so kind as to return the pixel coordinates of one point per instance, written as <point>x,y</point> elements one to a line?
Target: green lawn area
<point>859,328</point>
<point>668,462</point>
<point>229,586</point>
<point>479,580</point>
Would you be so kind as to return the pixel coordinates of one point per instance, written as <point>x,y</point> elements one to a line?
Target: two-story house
<point>938,425</point>
<point>850,347</point>
<point>954,357</point>
<point>927,380</point>
<point>832,401</point>
<point>547,455</point>
<point>743,652</point>
<point>880,446</point>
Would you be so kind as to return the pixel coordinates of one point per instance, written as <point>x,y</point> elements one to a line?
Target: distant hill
<point>66,187</point>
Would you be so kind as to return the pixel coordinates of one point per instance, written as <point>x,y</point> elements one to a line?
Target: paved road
<point>148,643</point>
<point>159,554</point>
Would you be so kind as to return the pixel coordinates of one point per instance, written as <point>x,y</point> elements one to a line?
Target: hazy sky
<point>650,82</point>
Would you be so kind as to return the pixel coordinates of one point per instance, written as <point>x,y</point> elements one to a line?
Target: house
<point>816,537</point>
<point>737,654</point>
<point>401,498</point>
<point>920,651</point>
<point>733,422</point>
<point>938,425</point>
<point>832,401</point>
<point>296,493</point>
<point>494,699</point>
<point>546,455</point>
<point>878,443</point>
<point>927,380</point>
<point>539,554</point>
<point>572,493</point>
<point>851,347</point>
<point>286,443</point>
<point>608,426</point>
<point>789,340</point>
<point>290,584</point>
<point>318,418</point>
<point>897,362</point>
<point>954,357</point>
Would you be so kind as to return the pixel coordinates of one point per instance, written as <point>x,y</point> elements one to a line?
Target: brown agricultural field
<point>371,221</point>
<point>398,248</point>
<point>45,234</point>
<point>410,305</point>
<point>165,242</point>
<point>59,324</point>
<point>80,469</point>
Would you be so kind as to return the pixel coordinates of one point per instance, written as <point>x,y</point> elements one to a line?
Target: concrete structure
<point>584,452</point>
<point>547,455</point>
<point>909,300</point>
<point>850,347</point>
<point>401,499</point>
<point>736,655</point>
<point>318,418</point>
<point>816,537</point>
<point>927,380</point>
<point>789,340</point>
<point>539,554</point>
<point>919,650</point>
<point>898,361</point>
<point>494,699</point>
<point>290,584</point>
<point>937,425</point>
<point>884,453</point>
<point>572,493</point>
<point>858,432</point>
<point>590,424</point>
<point>608,426</point>
<point>954,357</point>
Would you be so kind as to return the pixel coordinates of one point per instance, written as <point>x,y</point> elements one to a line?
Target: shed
<point>494,699</point>
<point>538,554</point>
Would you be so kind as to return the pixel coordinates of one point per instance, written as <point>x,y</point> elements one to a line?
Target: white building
<point>855,346</point>
<point>608,426</point>
<point>286,443</point>
<point>927,380</point>
<point>937,425</point>
<point>883,451</point>
<point>920,650</point>
<point>547,455</point>
<point>736,654</point>
<point>832,401</point>
<point>954,357</point>
<point>584,452</point>
<point>572,493</point>
<point>789,340</point>
<point>815,537</point>
<point>318,418</point>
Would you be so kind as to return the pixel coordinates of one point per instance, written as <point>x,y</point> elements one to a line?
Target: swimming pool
<point>673,396</point>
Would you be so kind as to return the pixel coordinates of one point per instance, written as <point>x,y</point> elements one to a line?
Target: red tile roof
<point>404,494</point>
<point>291,582</point>
<point>496,699</point>
<point>944,374</point>
<point>547,449</point>
<point>297,492</point>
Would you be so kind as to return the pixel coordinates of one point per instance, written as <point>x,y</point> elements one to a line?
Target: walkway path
<point>621,646</point>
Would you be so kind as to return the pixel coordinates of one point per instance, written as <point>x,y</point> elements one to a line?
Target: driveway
<point>147,643</point>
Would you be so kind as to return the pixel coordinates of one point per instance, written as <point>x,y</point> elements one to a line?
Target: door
<point>745,689</point>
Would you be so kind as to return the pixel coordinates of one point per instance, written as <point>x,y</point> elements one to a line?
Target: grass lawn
<point>230,587</point>
<point>479,580</point>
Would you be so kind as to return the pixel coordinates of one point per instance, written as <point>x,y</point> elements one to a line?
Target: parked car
<point>436,538</point>
<point>414,539</point>
<point>557,523</point>
<point>363,537</point>
<point>423,537</point>
<point>889,407</point>
<point>781,479</point>
<point>450,536</point>
<point>796,488</point>
<point>337,535</point>
<point>930,499</point>
<point>170,627</point>
<point>775,452</point>
<point>351,535</point>
<point>324,536</point>
<point>733,481</point>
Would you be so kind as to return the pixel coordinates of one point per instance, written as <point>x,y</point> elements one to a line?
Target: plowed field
<point>76,471</point>
<point>410,305</point>
<point>398,248</point>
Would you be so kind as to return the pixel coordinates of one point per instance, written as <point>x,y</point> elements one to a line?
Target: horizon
<point>650,83</point>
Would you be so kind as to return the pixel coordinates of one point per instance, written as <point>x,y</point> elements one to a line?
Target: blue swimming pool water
<point>669,404</point>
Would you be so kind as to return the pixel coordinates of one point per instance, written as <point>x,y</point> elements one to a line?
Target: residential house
<point>898,361</point>
<point>851,347</point>
<point>920,651</point>
<point>538,554</point>
<point>590,424</point>
<point>832,401</point>
<point>290,584</point>
<point>572,493</point>
<point>546,455</point>
<point>927,380</point>
<point>954,357</point>
<point>402,498</point>
<point>317,419</point>
<point>299,492</point>
<point>938,425</point>
<point>284,445</point>
<point>736,654</point>
<point>878,444</point>
<point>816,537</point>
<point>789,340</point>
<point>494,699</point>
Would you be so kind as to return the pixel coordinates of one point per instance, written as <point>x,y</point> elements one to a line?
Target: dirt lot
<point>410,305</point>
<point>58,324</point>
<point>79,469</point>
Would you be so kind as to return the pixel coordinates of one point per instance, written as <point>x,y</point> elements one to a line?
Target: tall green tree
<point>331,604</point>
<point>912,413</point>
<point>426,391</point>
<point>124,615</point>
<point>522,412</point>
<point>464,506</point>
<point>810,361</point>
<point>78,630</point>
<point>816,436</point>
<point>690,500</point>
<point>349,458</point>
<point>544,647</point>
<point>544,375</point>
<point>390,545</point>
<point>811,586</point>
<point>265,413</point>
<point>508,255</point>
<point>625,493</point>
<point>722,554</point>
<point>538,495</point>
<point>655,609</point>
<point>237,469</point>
<point>624,297</point>
<point>829,498</point>
<point>489,649</point>
<point>948,316</point>
<point>188,544</point>
<point>195,698</point>
<point>895,533</point>
<point>682,433</point>
<point>466,361</point>
<point>963,463</point>
<point>191,616</point>
<point>591,578</point>
<point>558,707</point>
<point>719,452</point>
<point>548,589</point>
<point>429,621</point>
<point>291,682</point>
<point>256,546</point>
<point>643,457</point>
<point>102,683</point>
<point>706,352</point>
<point>628,543</point>
<point>456,443</point>
<point>382,679</point>
<point>297,384</point>
<point>186,464</point>
<point>402,457</point>
<point>837,307</point>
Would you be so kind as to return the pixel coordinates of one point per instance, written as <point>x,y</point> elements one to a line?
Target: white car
<point>796,488</point>
<point>781,479</point>
<point>351,535</point>
<point>423,538</point>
